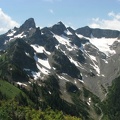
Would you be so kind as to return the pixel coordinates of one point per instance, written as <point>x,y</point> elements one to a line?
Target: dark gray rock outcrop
<point>98,33</point>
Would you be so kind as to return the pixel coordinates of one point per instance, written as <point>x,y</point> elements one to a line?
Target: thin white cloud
<point>6,22</point>
<point>51,11</point>
<point>112,23</point>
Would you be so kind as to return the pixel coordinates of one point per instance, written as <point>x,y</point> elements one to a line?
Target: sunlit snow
<point>102,75</point>
<point>19,83</point>
<point>20,35</point>
<point>96,68</point>
<point>63,78</point>
<point>27,54</point>
<point>40,49</point>
<point>67,32</point>
<point>73,61</point>
<point>6,41</point>
<point>81,80</point>
<point>75,81</point>
<point>94,65</point>
<point>44,62</point>
<point>80,36</point>
<point>36,75</point>
<point>43,70</point>
<point>105,61</point>
<point>65,41</point>
<point>62,39</point>
<point>12,33</point>
<point>103,44</point>
<point>89,101</point>
<point>92,57</point>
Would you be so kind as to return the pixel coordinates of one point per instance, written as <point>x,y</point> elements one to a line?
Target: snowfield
<point>103,44</point>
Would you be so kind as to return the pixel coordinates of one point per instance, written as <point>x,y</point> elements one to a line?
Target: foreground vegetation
<point>17,105</point>
<point>11,110</point>
<point>111,106</point>
<point>44,102</point>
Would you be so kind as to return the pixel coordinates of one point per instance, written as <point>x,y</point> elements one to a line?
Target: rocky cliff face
<point>98,33</point>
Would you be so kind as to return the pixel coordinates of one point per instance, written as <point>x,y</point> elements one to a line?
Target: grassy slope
<point>8,89</point>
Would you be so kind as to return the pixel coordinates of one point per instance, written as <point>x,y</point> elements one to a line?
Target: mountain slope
<point>80,60</point>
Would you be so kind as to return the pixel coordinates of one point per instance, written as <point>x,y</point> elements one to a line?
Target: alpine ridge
<point>84,59</point>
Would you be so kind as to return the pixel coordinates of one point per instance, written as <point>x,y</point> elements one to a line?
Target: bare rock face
<point>105,33</point>
<point>58,28</point>
<point>30,23</point>
<point>85,31</point>
<point>97,33</point>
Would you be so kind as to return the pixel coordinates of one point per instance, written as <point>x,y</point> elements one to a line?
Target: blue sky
<point>74,13</point>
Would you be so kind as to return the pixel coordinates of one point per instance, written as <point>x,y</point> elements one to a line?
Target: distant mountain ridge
<point>98,33</point>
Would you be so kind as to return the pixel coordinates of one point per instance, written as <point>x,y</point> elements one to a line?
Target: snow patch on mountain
<point>105,61</point>
<point>62,78</point>
<point>93,57</point>
<point>27,54</point>
<point>11,33</point>
<point>94,62</point>
<point>36,75</point>
<point>103,44</point>
<point>40,49</point>
<point>19,83</point>
<point>81,36</point>
<point>6,41</point>
<point>65,41</point>
<point>96,68</point>
<point>21,35</point>
<point>37,48</point>
<point>67,32</point>
<point>73,61</point>
<point>81,80</point>
<point>62,39</point>
<point>43,70</point>
<point>44,62</point>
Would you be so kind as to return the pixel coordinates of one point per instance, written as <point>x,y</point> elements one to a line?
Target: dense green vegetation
<point>11,110</point>
<point>17,105</point>
<point>8,89</point>
<point>9,70</point>
<point>111,106</point>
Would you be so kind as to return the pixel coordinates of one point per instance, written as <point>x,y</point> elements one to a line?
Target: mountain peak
<point>58,28</point>
<point>29,23</point>
<point>85,31</point>
<point>60,23</point>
